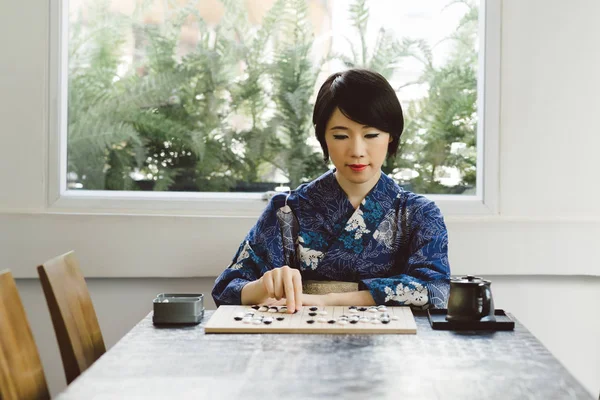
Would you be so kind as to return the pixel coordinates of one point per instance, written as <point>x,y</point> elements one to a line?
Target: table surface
<point>184,362</point>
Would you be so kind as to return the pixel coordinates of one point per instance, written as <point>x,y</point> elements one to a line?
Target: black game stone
<point>312,314</point>
<point>362,309</point>
<point>331,321</point>
<point>256,307</point>
<point>280,318</point>
<point>313,308</point>
<point>310,321</point>
<point>237,318</point>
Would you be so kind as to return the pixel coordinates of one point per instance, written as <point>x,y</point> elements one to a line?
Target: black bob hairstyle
<point>363,96</point>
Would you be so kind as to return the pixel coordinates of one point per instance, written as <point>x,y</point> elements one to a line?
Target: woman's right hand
<point>284,282</point>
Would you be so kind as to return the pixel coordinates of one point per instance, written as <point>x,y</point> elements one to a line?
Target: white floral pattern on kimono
<point>385,233</point>
<point>308,257</point>
<point>244,254</point>
<point>357,224</point>
<point>404,294</point>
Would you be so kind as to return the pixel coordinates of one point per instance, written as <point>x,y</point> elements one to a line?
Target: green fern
<point>446,115</point>
<point>170,118</point>
<point>294,78</point>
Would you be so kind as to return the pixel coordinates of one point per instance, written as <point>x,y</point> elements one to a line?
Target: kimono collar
<point>326,193</point>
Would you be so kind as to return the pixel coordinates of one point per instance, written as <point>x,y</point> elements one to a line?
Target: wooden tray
<point>437,319</point>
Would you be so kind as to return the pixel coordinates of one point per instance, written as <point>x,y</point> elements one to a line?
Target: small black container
<point>470,300</point>
<point>438,321</point>
<point>178,308</point>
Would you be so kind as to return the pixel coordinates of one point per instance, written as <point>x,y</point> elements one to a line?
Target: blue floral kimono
<point>395,244</point>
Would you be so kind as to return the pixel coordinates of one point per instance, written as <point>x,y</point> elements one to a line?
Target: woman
<point>353,223</point>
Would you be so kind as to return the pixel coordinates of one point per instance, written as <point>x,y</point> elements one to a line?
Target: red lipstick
<point>357,167</point>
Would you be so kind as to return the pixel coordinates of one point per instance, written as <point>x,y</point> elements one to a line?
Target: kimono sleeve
<point>425,281</point>
<point>260,251</point>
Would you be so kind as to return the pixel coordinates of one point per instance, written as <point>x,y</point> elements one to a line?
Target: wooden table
<point>178,363</point>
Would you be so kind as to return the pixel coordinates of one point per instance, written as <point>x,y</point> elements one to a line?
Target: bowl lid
<point>468,279</point>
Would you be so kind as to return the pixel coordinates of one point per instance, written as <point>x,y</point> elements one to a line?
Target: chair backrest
<point>73,316</point>
<point>21,372</point>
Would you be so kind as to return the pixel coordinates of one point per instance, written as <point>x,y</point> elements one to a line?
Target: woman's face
<point>357,151</point>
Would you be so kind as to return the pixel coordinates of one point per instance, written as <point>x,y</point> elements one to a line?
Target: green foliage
<point>294,79</point>
<point>237,107</point>
<point>387,53</point>
<point>446,116</point>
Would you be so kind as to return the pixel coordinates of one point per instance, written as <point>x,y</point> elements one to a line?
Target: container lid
<point>179,298</point>
<point>468,279</point>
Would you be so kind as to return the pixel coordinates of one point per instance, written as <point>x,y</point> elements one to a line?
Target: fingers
<point>284,282</point>
<point>297,280</point>
<point>271,302</point>
<point>289,289</point>
<point>268,284</point>
<point>293,288</point>
<point>278,283</point>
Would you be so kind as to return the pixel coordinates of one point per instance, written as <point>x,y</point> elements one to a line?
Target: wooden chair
<point>73,316</point>
<point>21,372</point>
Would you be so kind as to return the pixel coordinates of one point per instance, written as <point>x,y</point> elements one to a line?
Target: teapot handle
<point>486,296</point>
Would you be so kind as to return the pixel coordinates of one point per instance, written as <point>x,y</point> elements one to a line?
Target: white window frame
<point>61,199</point>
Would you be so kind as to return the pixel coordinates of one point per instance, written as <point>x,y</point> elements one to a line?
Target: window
<point>216,96</point>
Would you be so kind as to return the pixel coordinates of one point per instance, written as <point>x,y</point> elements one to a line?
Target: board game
<point>338,319</point>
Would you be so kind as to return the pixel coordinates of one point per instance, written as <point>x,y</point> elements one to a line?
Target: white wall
<point>548,225</point>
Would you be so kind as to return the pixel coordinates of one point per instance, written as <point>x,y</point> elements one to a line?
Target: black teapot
<point>470,300</point>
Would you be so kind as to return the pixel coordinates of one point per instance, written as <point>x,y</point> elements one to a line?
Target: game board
<point>338,319</point>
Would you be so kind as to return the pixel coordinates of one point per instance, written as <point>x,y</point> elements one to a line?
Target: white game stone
<point>342,322</point>
<point>395,318</point>
<point>247,320</point>
<point>363,319</point>
<point>263,308</point>
<point>322,312</point>
<point>321,319</point>
<point>273,310</point>
<point>353,310</point>
<point>375,321</point>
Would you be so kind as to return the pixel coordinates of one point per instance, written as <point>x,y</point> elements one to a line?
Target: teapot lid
<point>469,279</point>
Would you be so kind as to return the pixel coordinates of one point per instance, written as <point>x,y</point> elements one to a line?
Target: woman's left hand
<point>319,300</point>
<point>307,300</point>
